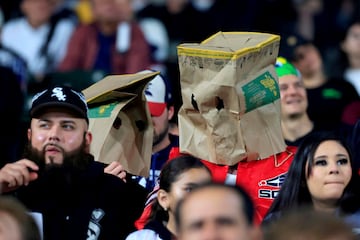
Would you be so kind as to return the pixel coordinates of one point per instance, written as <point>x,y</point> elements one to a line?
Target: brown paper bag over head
<point>231,98</point>
<point>120,121</point>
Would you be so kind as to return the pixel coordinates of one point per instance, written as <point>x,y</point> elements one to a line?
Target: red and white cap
<point>158,94</point>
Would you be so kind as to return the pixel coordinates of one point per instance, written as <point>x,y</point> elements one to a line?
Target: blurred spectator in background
<point>327,96</point>
<point>349,59</point>
<point>295,122</point>
<point>33,45</point>
<point>350,116</point>
<point>307,224</point>
<point>112,43</point>
<point>65,9</point>
<point>11,110</point>
<point>309,20</point>
<point>15,221</point>
<point>10,8</point>
<point>155,33</point>
<point>192,21</point>
<point>13,61</point>
<point>1,17</point>
<point>33,37</point>
<point>355,143</point>
<point>157,37</point>
<point>176,16</point>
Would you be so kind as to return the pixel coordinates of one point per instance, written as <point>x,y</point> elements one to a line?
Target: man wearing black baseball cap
<point>59,178</point>
<point>61,97</point>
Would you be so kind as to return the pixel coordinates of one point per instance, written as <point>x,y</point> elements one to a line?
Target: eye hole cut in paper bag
<point>231,98</point>
<point>120,121</point>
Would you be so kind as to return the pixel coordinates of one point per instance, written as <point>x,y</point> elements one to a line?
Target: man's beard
<point>73,162</point>
<point>159,137</point>
<point>58,181</point>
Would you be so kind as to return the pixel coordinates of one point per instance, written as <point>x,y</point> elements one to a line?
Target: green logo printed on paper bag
<point>260,91</point>
<point>103,111</point>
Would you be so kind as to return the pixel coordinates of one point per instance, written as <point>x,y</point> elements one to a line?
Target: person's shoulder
<point>66,24</point>
<point>339,83</point>
<point>85,28</point>
<point>14,22</point>
<point>147,234</point>
<point>12,25</point>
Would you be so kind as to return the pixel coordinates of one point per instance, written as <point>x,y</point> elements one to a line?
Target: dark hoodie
<point>84,204</point>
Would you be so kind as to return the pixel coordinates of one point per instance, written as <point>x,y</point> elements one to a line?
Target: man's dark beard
<point>58,181</point>
<point>158,138</point>
<point>73,162</point>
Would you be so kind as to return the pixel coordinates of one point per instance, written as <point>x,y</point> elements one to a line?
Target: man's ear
<point>163,199</point>
<point>29,133</point>
<point>171,112</point>
<point>88,140</point>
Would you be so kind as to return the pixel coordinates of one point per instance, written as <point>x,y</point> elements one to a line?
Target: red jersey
<point>262,179</point>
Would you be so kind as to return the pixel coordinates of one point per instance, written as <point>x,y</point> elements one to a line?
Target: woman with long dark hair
<point>322,176</point>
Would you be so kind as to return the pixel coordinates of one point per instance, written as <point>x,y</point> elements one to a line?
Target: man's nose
<point>54,133</point>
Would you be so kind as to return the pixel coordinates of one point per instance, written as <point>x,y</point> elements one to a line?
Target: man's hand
<point>115,168</point>
<point>17,174</point>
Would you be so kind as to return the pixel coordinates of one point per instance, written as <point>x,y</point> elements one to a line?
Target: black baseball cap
<point>59,96</point>
<point>289,43</point>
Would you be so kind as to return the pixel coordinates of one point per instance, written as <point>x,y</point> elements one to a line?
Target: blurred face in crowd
<point>176,6</point>
<point>351,43</point>
<point>125,9</point>
<point>215,214</point>
<point>37,12</point>
<point>9,227</point>
<point>307,60</point>
<point>331,173</point>
<point>105,11</point>
<point>293,96</point>
<point>57,134</point>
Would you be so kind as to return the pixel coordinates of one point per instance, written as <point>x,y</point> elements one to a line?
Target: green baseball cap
<point>283,67</point>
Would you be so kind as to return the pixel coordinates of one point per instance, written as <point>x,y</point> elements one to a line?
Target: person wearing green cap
<point>295,122</point>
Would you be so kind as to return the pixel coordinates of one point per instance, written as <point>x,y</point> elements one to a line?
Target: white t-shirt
<point>19,36</point>
<point>353,76</point>
<point>147,234</point>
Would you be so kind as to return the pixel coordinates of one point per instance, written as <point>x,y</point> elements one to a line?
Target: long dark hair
<point>294,192</point>
<point>169,174</point>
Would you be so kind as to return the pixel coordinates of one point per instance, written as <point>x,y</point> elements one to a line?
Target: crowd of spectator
<point>78,42</point>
